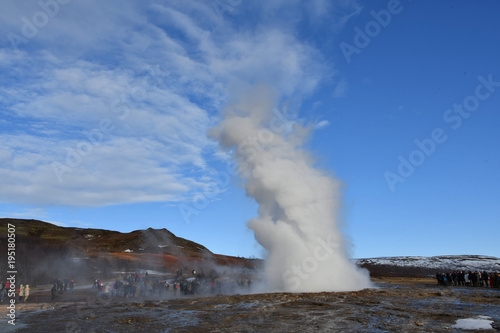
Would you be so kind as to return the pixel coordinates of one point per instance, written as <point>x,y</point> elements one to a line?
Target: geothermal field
<point>392,305</point>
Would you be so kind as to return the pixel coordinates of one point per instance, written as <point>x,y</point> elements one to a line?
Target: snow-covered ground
<point>455,262</point>
<point>479,323</point>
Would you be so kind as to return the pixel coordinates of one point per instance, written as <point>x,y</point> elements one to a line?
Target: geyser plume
<point>298,221</point>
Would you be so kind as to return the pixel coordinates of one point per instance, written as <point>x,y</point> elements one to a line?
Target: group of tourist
<point>61,286</point>
<point>133,285</point>
<point>140,285</point>
<point>469,278</point>
<point>23,292</point>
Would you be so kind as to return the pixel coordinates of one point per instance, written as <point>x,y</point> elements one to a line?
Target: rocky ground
<point>396,305</point>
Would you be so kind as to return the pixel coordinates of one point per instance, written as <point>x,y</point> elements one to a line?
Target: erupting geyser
<point>298,204</point>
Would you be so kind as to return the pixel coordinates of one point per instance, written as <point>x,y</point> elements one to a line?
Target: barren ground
<point>397,305</point>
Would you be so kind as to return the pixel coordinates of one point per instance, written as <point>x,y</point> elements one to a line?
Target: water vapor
<point>298,214</point>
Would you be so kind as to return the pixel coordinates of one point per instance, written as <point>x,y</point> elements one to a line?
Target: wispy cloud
<point>322,124</point>
<point>31,213</point>
<point>340,89</point>
<point>131,89</point>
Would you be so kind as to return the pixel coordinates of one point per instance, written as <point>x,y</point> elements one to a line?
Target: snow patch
<point>479,323</point>
<point>128,250</point>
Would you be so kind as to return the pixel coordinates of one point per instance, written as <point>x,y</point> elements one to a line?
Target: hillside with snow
<point>428,266</point>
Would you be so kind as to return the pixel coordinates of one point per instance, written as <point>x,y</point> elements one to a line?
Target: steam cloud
<point>299,205</point>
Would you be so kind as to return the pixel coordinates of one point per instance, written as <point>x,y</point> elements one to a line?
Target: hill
<point>45,251</point>
<point>428,266</point>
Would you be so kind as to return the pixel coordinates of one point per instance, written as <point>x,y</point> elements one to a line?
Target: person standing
<point>26,292</point>
<point>21,292</point>
<point>3,291</point>
<point>486,279</point>
<point>53,291</point>
<point>7,287</point>
<point>71,285</point>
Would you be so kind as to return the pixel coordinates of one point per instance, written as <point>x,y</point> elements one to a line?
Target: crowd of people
<point>138,285</point>
<point>142,285</point>
<point>469,279</point>
<point>61,286</point>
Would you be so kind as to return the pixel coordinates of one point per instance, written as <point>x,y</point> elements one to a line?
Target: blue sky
<point>105,108</point>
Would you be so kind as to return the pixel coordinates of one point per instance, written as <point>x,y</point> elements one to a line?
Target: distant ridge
<point>45,250</point>
<point>428,266</point>
<point>100,240</point>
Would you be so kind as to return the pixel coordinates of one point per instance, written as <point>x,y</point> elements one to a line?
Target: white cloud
<point>340,89</point>
<point>322,124</point>
<point>134,86</point>
<point>30,213</point>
